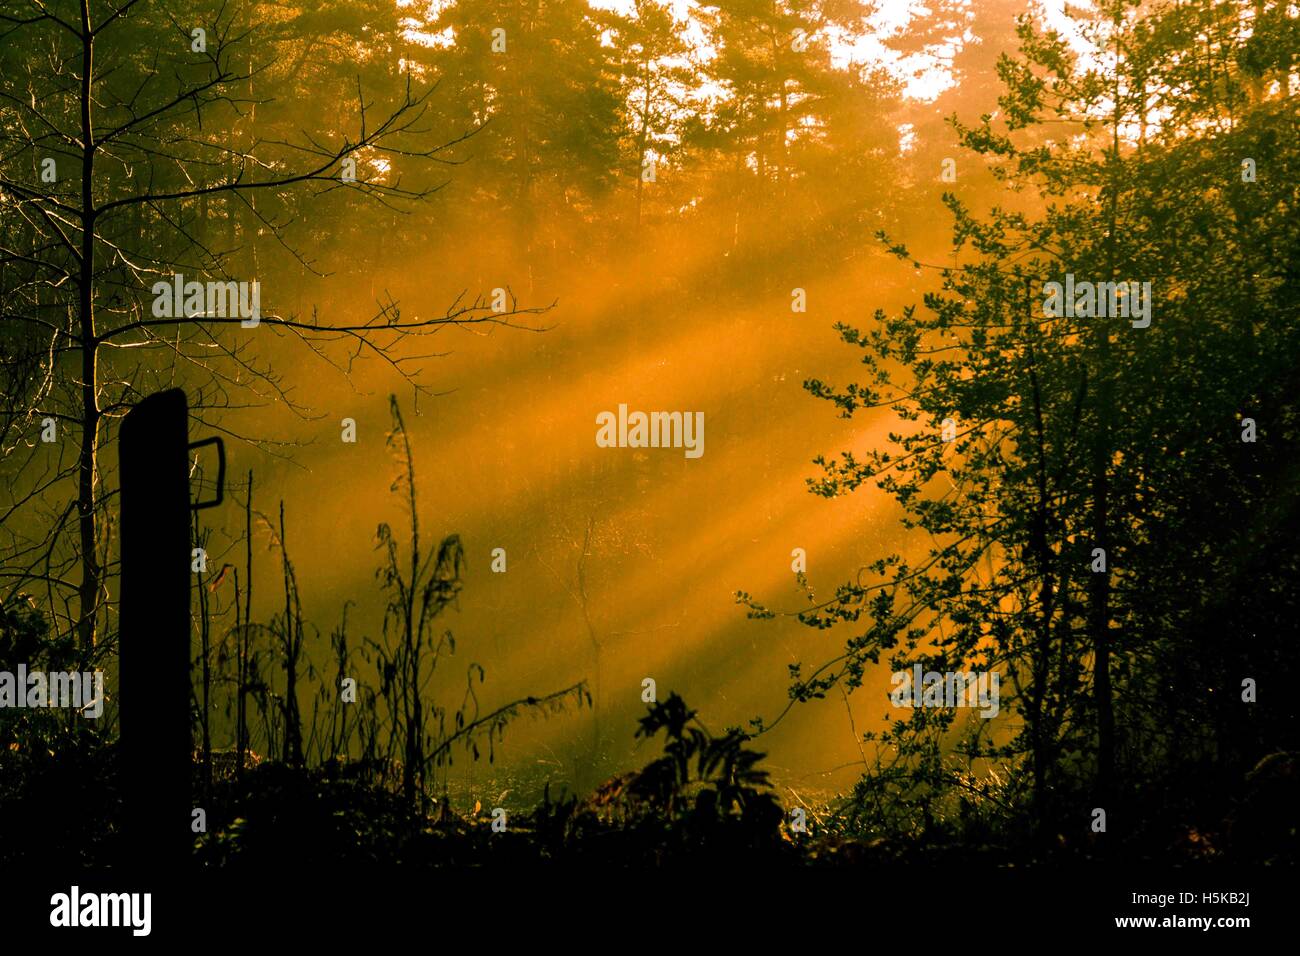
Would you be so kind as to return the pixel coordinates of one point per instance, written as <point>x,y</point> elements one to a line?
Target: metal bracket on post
<point>221,472</point>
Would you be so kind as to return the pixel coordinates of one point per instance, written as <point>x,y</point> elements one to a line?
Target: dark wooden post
<point>154,653</point>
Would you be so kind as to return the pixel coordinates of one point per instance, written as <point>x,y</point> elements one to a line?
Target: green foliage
<point>32,736</point>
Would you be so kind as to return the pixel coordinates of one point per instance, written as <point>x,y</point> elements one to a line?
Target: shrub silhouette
<point>708,790</point>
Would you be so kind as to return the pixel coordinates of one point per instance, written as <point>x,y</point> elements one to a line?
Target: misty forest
<point>946,355</point>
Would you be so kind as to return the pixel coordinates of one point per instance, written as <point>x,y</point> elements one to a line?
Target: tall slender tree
<point>121,125</point>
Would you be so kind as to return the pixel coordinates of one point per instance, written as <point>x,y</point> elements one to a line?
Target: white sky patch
<point>925,74</point>
<point>906,138</point>
<point>413,33</point>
